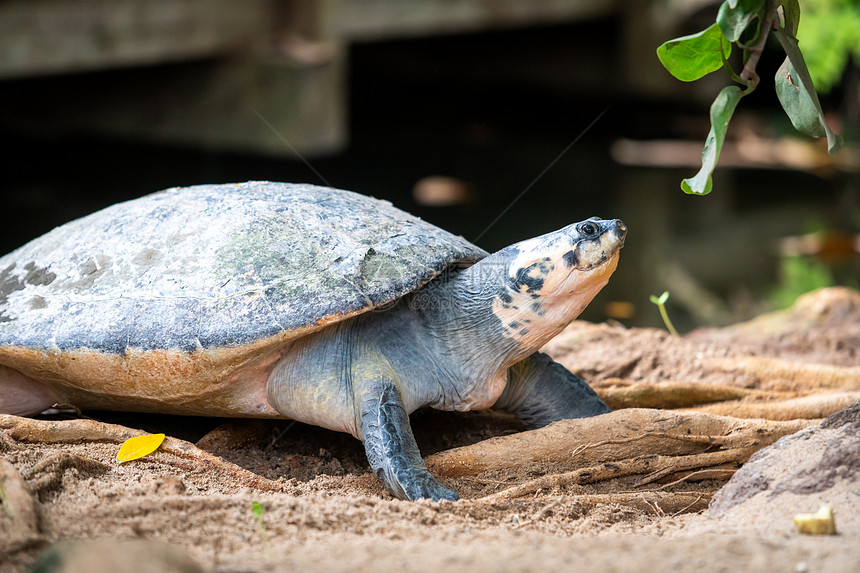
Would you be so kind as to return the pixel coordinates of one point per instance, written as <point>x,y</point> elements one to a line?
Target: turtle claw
<point>438,492</point>
<point>426,487</point>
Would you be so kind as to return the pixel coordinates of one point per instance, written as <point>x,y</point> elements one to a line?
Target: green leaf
<point>138,446</point>
<point>794,83</point>
<point>661,299</point>
<point>734,17</point>
<point>797,102</point>
<point>690,57</point>
<point>721,112</point>
<point>791,15</point>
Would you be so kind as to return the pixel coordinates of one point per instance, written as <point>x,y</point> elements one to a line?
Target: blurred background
<point>498,120</point>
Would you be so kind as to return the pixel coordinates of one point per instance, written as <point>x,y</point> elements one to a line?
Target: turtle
<point>302,302</point>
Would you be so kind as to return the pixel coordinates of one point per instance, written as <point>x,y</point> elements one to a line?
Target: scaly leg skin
<point>389,443</point>
<point>541,391</point>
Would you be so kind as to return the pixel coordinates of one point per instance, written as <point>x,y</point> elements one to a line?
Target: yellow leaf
<point>138,447</point>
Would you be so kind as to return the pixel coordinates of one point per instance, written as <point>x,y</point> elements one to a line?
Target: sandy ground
<point>320,509</point>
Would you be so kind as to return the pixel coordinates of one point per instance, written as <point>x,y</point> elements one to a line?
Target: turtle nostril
<point>620,224</point>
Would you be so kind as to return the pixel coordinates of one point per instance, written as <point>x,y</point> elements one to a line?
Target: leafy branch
<point>747,24</point>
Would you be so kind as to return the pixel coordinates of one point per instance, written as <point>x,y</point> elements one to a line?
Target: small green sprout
<point>661,304</point>
<point>257,510</point>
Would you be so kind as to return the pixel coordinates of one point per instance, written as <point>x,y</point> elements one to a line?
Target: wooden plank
<point>273,79</point>
<point>257,105</point>
<point>382,19</point>
<point>60,36</point>
<point>40,37</point>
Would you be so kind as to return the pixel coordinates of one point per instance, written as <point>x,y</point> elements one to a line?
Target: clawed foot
<point>391,448</point>
<point>418,484</point>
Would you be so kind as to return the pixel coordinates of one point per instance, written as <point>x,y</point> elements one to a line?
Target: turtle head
<point>556,264</point>
<point>506,306</point>
<point>550,279</point>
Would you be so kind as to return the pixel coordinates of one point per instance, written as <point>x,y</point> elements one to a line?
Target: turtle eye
<point>588,229</point>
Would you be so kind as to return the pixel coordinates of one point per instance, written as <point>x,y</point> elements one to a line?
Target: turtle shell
<point>215,266</point>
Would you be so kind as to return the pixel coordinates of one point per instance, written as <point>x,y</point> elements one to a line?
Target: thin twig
<point>640,465</point>
<point>696,461</point>
<point>657,509</point>
<point>707,473</point>
<point>538,515</point>
<point>749,74</point>
<point>685,508</point>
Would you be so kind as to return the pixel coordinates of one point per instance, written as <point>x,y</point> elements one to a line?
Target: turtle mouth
<point>603,258</point>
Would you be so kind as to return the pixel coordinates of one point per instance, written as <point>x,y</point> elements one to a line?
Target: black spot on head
<point>506,297</point>
<point>536,295</point>
<point>570,258</point>
<point>531,278</point>
<point>514,325</point>
<point>535,306</point>
<point>524,331</point>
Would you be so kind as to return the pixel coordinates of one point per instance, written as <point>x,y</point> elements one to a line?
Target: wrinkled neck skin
<point>456,314</point>
<point>485,324</point>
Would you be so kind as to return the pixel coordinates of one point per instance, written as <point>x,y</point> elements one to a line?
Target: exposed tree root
<point>778,374</point>
<point>652,466</point>
<point>619,393</point>
<point>7,444</point>
<point>721,472</point>
<point>653,502</point>
<point>48,473</point>
<point>738,402</point>
<point>674,464</point>
<point>75,431</point>
<point>807,407</point>
<point>620,435</point>
<point>19,521</point>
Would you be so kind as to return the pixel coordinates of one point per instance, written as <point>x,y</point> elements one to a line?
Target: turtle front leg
<point>391,449</point>
<point>540,391</point>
